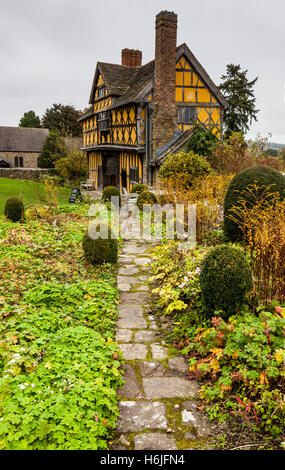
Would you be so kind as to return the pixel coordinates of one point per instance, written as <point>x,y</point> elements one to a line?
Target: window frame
<point>182,115</point>
<point>101,92</point>
<point>103,121</point>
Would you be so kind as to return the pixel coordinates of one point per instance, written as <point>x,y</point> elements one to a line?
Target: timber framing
<point>138,114</point>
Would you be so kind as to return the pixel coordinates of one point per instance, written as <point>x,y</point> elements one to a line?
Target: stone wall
<point>23,173</point>
<point>155,179</point>
<point>164,123</point>
<point>30,160</point>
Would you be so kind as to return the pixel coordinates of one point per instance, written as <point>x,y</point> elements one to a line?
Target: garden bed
<point>59,367</point>
<point>238,361</point>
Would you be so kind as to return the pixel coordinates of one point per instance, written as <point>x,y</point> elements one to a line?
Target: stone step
<point>140,415</point>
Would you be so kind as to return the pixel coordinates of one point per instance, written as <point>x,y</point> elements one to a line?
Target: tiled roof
<point>22,139</point>
<point>125,84</point>
<point>142,77</point>
<point>174,145</point>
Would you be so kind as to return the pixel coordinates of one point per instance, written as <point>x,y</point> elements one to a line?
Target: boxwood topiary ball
<point>266,179</point>
<point>110,191</point>
<point>146,197</point>
<point>100,251</point>
<point>139,188</point>
<point>225,280</point>
<point>14,209</point>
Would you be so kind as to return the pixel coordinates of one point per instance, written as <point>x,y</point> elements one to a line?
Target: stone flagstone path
<point>158,409</point>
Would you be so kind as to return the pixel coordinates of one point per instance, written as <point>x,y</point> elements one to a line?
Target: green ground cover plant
<point>239,360</point>
<point>59,364</point>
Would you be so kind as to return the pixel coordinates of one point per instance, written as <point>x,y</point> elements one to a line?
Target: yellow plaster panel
<point>216,115</point>
<point>132,115</point>
<point>100,80</point>
<point>187,78</point>
<point>203,95</point>
<point>178,94</point>
<point>183,61</point>
<point>202,114</point>
<point>189,95</point>
<point>179,78</point>
<point>134,136</point>
<point>195,79</point>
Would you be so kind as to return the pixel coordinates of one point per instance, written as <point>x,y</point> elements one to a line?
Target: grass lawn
<point>28,191</point>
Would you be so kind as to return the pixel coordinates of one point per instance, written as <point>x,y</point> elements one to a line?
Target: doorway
<point>124,178</point>
<point>111,170</point>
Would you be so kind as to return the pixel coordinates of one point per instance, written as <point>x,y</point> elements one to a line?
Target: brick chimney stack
<point>165,57</point>
<point>131,58</point>
<point>164,118</point>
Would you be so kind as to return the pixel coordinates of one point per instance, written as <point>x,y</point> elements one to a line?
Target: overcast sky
<point>49,48</point>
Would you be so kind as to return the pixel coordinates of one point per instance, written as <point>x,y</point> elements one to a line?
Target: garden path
<point>158,406</point>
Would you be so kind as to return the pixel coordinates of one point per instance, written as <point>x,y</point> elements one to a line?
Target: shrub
<point>234,155</point>
<point>73,167</point>
<point>146,197</point>
<point>139,188</point>
<point>188,165</point>
<point>110,191</point>
<point>207,193</point>
<point>266,182</point>
<point>54,148</point>
<point>203,141</point>
<point>225,280</point>
<point>100,251</point>
<point>14,209</point>
<point>263,227</point>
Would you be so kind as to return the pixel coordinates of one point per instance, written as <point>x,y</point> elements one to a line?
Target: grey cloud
<point>49,48</point>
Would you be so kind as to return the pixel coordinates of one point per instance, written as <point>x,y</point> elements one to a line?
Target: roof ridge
<point>22,127</point>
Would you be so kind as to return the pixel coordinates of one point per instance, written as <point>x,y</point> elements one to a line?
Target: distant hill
<point>273,145</point>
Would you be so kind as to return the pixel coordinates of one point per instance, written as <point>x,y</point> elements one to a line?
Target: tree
<point>202,142</point>
<point>30,119</point>
<point>73,166</point>
<point>54,148</point>
<point>64,119</point>
<point>271,153</point>
<point>238,91</point>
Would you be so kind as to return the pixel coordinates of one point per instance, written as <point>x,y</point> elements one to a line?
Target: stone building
<point>20,147</point>
<point>138,113</point>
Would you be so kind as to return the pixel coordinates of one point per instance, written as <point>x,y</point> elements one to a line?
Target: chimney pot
<point>131,58</point>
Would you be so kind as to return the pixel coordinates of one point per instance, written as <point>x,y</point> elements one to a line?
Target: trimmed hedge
<point>266,178</point>
<point>139,188</point>
<point>14,209</point>
<point>100,251</point>
<point>110,191</point>
<point>146,197</point>
<point>185,164</point>
<point>225,280</point>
